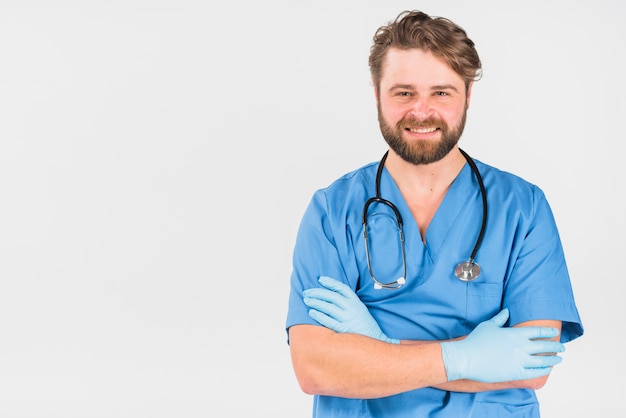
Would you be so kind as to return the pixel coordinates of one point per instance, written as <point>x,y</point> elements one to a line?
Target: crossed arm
<point>350,357</point>
<point>356,366</point>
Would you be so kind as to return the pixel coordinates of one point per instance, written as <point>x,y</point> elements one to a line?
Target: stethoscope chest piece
<point>467,271</point>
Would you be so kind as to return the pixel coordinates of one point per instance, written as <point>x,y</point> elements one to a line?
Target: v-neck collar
<point>444,218</point>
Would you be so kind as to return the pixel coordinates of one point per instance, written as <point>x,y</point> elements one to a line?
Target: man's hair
<point>438,35</point>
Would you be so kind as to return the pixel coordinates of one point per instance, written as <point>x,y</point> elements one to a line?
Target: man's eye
<point>441,93</point>
<point>404,93</point>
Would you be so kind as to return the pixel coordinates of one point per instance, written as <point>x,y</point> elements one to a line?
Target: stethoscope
<point>465,271</point>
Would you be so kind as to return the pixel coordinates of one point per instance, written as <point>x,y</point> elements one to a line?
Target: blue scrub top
<point>522,263</point>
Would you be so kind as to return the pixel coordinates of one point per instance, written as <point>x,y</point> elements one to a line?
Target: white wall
<point>156,157</point>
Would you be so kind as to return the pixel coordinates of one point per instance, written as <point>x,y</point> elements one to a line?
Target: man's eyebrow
<point>411,87</point>
<point>401,87</point>
<point>444,87</point>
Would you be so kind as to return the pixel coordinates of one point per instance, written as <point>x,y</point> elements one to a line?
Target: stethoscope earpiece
<point>393,285</point>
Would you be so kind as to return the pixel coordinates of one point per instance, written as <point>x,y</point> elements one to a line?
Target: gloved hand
<point>491,353</point>
<point>337,307</point>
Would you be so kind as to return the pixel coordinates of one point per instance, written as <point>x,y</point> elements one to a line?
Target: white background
<point>156,158</point>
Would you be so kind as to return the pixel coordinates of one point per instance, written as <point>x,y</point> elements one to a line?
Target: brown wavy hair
<point>442,37</point>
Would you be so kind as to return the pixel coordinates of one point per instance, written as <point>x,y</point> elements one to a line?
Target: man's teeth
<point>423,130</point>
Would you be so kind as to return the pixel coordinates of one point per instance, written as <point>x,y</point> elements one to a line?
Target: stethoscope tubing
<point>466,270</point>
<point>483,194</point>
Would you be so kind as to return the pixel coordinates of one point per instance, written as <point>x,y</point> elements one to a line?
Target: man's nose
<point>422,109</point>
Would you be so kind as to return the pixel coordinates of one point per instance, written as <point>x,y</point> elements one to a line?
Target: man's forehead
<point>417,66</point>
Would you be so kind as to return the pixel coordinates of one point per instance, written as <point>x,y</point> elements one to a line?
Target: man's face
<point>422,105</point>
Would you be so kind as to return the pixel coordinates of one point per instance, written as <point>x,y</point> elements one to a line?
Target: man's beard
<point>421,151</point>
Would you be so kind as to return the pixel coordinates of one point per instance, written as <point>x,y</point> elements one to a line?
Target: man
<point>427,284</point>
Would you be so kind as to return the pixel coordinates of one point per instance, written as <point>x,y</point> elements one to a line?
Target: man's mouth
<point>422,129</point>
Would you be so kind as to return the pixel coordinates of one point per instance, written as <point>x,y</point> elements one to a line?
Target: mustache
<point>413,123</point>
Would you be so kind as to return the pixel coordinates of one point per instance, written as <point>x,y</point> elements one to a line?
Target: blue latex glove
<point>491,353</point>
<point>337,307</point>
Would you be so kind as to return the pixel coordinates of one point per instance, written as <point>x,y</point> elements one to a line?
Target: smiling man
<point>427,283</point>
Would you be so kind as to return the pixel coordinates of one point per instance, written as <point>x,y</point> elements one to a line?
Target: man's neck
<point>424,186</point>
